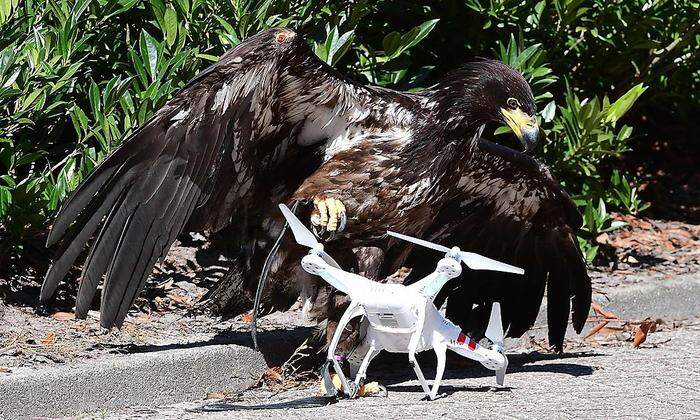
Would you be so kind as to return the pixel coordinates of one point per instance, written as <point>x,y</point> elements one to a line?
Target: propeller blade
<point>302,235</point>
<point>494,331</point>
<point>479,262</point>
<point>420,242</point>
<point>327,258</point>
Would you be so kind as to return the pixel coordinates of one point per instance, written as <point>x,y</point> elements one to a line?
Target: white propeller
<point>494,332</point>
<point>304,237</point>
<point>470,259</point>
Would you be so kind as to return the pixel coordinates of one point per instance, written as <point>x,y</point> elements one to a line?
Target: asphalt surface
<point>659,380</point>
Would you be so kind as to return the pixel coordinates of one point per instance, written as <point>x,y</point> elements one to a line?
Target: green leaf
<point>340,47</point>
<point>395,44</point>
<point>618,108</point>
<point>8,180</point>
<point>170,19</point>
<point>29,158</point>
<point>149,52</point>
<point>94,94</point>
<point>230,31</point>
<point>417,34</point>
<point>209,57</point>
<point>549,111</point>
<point>5,200</point>
<point>29,99</point>
<point>391,44</point>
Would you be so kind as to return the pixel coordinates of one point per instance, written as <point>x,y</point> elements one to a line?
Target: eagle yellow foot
<point>329,215</point>
<point>371,389</point>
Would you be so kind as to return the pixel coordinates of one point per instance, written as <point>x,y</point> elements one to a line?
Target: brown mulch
<point>668,246</point>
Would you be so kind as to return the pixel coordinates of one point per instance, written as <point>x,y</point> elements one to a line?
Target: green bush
<point>77,76</point>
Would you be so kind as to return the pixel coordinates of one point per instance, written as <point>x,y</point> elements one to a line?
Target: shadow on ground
<point>276,346</point>
<point>306,402</point>
<point>393,371</point>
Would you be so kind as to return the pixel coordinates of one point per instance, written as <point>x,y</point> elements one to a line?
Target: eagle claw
<point>329,215</point>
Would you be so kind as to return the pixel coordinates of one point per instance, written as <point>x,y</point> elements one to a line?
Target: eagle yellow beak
<point>524,126</point>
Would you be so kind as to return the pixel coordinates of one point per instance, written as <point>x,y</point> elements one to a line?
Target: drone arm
<point>341,280</point>
<point>431,285</point>
<point>447,269</point>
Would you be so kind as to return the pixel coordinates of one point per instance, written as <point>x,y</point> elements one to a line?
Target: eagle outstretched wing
<point>209,155</point>
<point>508,207</point>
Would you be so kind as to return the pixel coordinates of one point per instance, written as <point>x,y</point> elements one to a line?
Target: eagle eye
<point>513,103</point>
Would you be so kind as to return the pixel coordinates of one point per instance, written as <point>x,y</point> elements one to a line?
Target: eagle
<point>270,123</point>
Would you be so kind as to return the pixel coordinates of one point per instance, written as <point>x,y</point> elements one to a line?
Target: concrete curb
<point>668,299</point>
<point>155,378</point>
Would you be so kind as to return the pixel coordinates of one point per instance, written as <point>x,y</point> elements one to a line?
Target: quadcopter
<point>403,319</point>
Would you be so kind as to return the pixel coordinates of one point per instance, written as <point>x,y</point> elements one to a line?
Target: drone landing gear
<point>493,358</point>
<point>350,389</point>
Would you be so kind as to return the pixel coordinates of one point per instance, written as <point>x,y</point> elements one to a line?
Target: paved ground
<point>659,380</point>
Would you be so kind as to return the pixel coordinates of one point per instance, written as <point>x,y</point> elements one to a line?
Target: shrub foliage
<point>77,76</point>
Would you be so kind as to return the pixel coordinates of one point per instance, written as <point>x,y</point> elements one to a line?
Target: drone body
<point>402,319</point>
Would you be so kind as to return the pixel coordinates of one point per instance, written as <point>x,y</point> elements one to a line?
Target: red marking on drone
<point>472,344</point>
<point>462,338</point>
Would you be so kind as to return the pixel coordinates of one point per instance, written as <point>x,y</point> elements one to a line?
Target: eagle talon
<point>329,216</point>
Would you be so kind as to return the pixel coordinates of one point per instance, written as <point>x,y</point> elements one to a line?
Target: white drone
<point>403,319</point>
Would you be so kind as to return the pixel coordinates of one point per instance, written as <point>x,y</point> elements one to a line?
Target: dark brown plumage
<point>508,207</point>
<point>211,155</point>
<point>271,123</point>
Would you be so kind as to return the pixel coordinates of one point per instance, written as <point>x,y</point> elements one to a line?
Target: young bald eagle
<point>242,136</point>
<point>507,206</point>
<point>497,202</point>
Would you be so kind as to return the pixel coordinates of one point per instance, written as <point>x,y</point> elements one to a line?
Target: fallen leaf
<point>63,316</point>
<point>640,336</point>
<point>217,395</point>
<point>177,298</point>
<point>5,369</point>
<point>595,329</point>
<point>49,339</point>
<point>603,238</point>
<point>247,318</point>
<point>273,374</point>
<point>602,312</point>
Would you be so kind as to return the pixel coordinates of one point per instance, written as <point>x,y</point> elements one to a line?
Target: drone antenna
<point>263,279</point>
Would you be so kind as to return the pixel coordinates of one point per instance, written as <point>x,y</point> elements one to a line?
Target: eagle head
<point>488,91</point>
<point>272,42</point>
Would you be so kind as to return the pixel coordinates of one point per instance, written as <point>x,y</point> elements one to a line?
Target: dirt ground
<point>167,312</point>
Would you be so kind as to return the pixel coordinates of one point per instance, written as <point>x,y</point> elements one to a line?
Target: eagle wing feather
<point>204,158</point>
<point>508,207</point>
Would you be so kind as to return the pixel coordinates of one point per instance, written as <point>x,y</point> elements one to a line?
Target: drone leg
<point>419,373</point>
<point>349,388</point>
<point>441,353</point>
<point>361,374</point>
<point>413,346</point>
